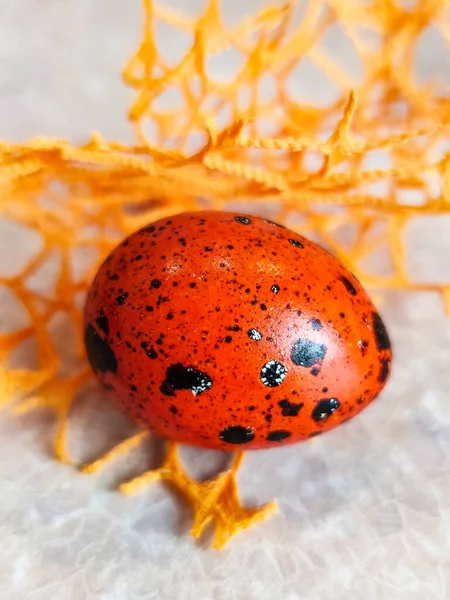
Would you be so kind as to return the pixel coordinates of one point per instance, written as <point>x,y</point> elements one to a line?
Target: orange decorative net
<point>351,171</point>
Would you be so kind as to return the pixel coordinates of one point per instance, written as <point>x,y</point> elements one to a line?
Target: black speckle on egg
<point>243,220</point>
<point>363,345</point>
<point>325,408</point>
<point>275,288</point>
<point>290,409</point>
<point>100,354</point>
<point>173,409</point>
<point>103,323</point>
<point>179,377</point>
<point>121,299</point>
<point>273,373</point>
<point>278,436</point>
<point>381,335</point>
<point>254,334</point>
<point>384,370</point>
<point>348,286</point>
<point>150,352</point>
<point>155,284</point>
<point>316,325</point>
<point>296,243</point>
<point>167,389</point>
<point>236,434</point>
<point>306,353</point>
<point>228,339</point>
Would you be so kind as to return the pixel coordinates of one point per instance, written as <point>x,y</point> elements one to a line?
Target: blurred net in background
<point>321,115</point>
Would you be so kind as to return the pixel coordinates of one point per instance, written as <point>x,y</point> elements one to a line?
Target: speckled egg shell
<point>220,329</point>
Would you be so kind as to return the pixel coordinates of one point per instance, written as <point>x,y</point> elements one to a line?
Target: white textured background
<point>364,511</point>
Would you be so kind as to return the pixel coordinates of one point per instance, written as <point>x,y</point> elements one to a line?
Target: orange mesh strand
<point>91,196</point>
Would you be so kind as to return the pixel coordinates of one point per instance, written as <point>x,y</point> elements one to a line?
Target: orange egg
<point>220,329</point>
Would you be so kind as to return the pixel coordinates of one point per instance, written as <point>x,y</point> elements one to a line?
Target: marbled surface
<point>364,511</point>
